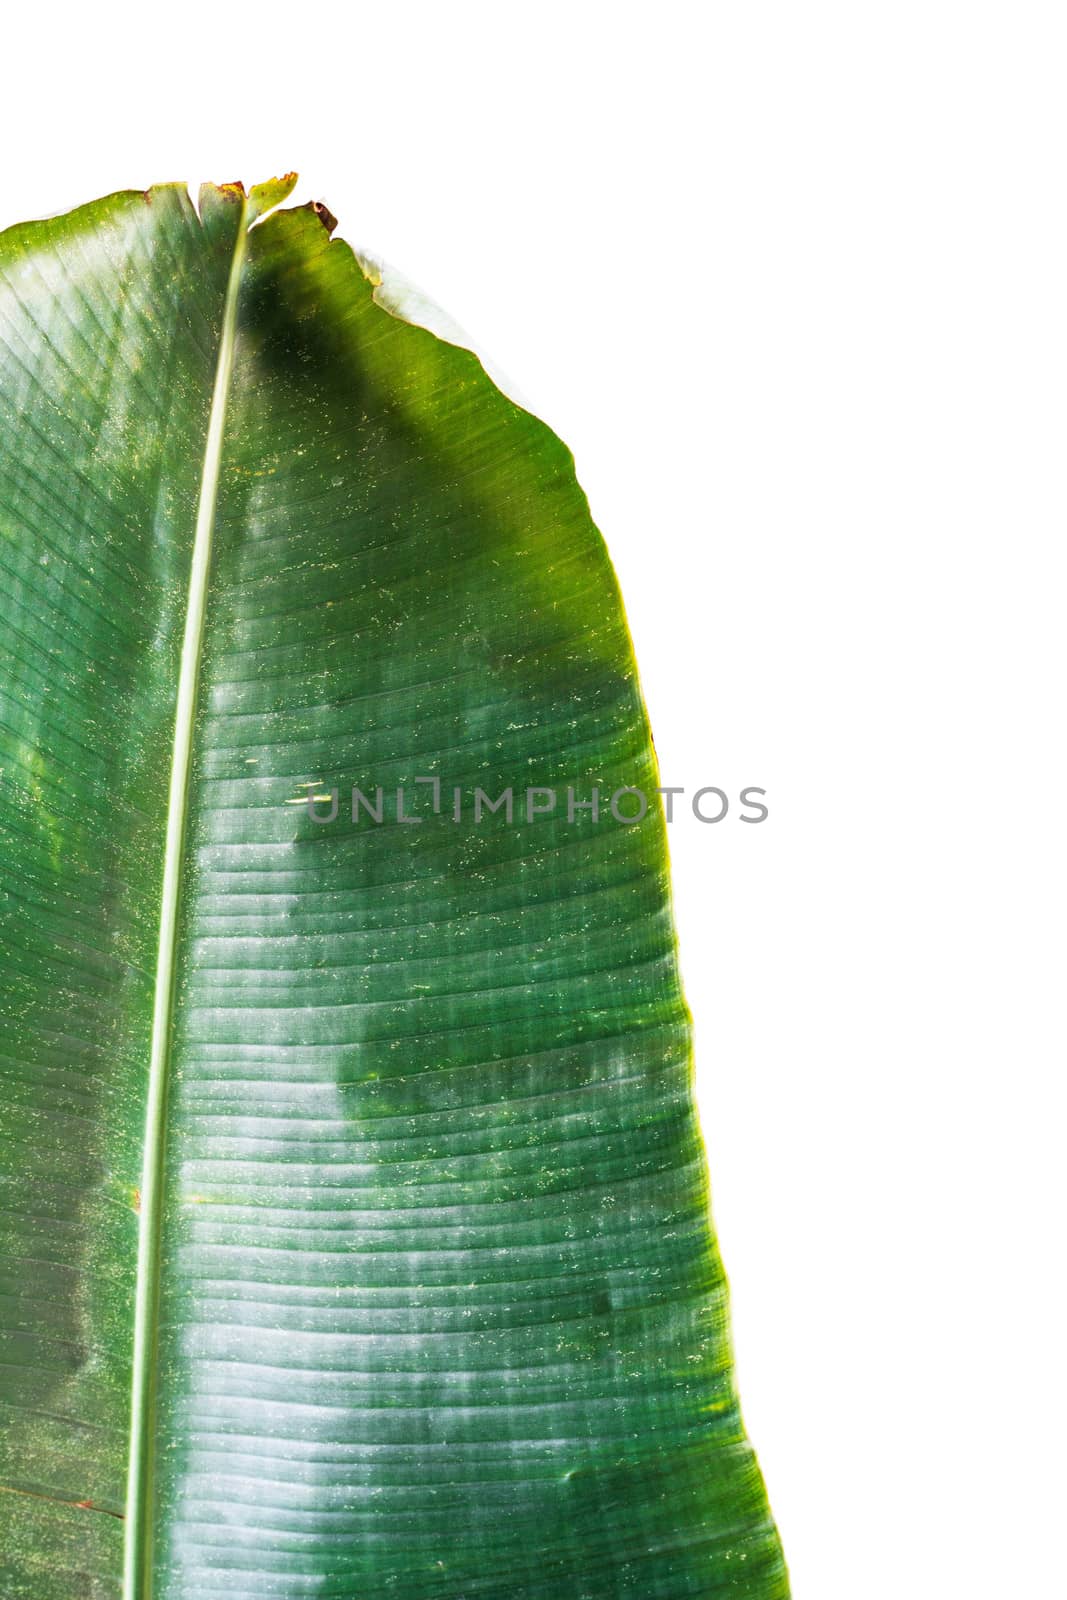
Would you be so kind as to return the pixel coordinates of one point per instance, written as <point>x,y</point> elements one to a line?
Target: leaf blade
<point>441,1310</point>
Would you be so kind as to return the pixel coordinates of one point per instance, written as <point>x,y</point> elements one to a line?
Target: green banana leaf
<point>354,1229</point>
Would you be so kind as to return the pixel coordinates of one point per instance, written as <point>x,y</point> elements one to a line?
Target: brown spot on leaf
<point>91,1505</point>
<point>324,214</point>
<point>62,1500</point>
<point>137,1201</point>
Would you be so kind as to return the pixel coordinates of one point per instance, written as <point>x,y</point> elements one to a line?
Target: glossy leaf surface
<point>428,1303</point>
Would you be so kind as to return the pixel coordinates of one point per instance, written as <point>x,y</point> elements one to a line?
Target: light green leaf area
<point>409,1290</point>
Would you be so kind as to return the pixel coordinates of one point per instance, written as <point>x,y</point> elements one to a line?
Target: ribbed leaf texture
<point>427,1303</point>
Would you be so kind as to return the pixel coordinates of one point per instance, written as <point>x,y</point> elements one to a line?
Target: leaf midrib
<point>137,1564</point>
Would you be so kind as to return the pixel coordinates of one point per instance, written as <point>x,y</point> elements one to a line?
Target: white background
<point>791,281</point>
